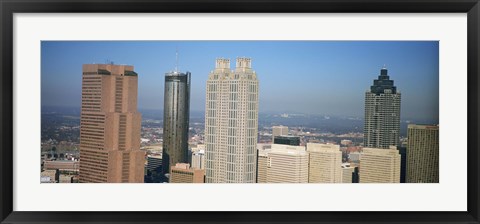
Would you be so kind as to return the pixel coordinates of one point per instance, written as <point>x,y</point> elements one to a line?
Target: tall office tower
<point>422,154</point>
<point>183,173</point>
<point>380,165</point>
<point>286,140</point>
<point>382,113</point>
<point>231,123</point>
<point>279,130</point>
<point>110,125</point>
<point>287,164</point>
<point>325,164</point>
<point>176,116</point>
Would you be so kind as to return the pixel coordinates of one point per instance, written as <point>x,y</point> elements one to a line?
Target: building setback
<point>231,123</point>
<point>380,165</point>
<point>176,117</point>
<point>110,126</point>
<point>422,154</point>
<point>382,113</point>
<point>325,164</point>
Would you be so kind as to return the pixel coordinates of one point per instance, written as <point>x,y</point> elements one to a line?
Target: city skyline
<point>110,136</point>
<point>295,73</point>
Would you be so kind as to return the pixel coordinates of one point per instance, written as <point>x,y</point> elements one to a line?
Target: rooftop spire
<point>176,59</point>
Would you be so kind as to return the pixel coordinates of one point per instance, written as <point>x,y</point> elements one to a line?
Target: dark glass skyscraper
<point>175,119</point>
<point>286,140</point>
<point>382,113</point>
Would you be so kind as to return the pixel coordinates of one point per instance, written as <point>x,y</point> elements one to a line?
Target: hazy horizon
<point>310,77</point>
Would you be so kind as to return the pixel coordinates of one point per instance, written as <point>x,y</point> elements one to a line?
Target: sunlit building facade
<point>325,164</point>
<point>231,123</point>
<point>110,126</point>
<point>380,165</point>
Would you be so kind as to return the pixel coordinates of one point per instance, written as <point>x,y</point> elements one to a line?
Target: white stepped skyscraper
<point>382,113</point>
<point>231,123</point>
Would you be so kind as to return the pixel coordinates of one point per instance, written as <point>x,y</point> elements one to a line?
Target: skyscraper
<point>231,123</point>
<point>325,164</point>
<point>382,113</point>
<point>110,125</point>
<point>176,115</point>
<point>422,154</point>
<point>380,165</point>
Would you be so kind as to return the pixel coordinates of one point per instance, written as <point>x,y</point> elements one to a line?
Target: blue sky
<point>315,77</point>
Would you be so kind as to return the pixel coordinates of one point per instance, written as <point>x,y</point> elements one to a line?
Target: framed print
<point>263,112</point>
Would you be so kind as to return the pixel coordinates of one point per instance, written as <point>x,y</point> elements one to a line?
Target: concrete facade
<point>231,123</point>
<point>325,164</point>
<point>183,173</point>
<point>380,165</point>
<point>278,131</point>
<point>287,164</point>
<point>422,154</point>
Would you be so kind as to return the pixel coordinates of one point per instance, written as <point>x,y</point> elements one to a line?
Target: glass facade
<point>175,119</point>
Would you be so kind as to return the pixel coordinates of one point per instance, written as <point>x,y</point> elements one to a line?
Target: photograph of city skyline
<point>239,112</point>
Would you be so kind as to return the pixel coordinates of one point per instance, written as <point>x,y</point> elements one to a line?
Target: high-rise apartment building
<point>382,113</point>
<point>287,164</point>
<point>325,164</point>
<point>231,123</point>
<point>110,126</point>
<point>422,154</point>
<point>183,173</point>
<point>380,165</point>
<point>176,116</point>
<point>279,130</point>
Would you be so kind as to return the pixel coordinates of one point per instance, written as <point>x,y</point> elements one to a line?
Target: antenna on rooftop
<point>176,59</point>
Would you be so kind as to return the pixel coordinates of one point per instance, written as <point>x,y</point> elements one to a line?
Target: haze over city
<point>316,77</point>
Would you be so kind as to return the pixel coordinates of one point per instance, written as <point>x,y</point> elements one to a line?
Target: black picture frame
<point>9,7</point>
